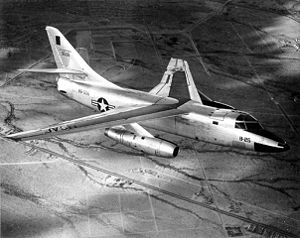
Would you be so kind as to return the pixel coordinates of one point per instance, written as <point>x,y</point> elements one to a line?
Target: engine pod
<point>149,145</point>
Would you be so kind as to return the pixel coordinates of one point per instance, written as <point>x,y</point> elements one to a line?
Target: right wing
<point>183,86</point>
<point>114,117</point>
<point>163,88</point>
<point>193,92</point>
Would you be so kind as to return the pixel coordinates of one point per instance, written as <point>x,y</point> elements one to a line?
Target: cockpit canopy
<point>247,122</point>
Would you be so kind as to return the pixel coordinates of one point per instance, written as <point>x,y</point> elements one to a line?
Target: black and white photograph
<point>149,118</point>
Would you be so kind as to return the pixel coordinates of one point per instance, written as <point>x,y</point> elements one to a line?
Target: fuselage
<point>222,126</point>
<point>217,131</point>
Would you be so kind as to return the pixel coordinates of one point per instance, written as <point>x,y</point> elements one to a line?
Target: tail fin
<point>64,54</point>
<point>68,60</point>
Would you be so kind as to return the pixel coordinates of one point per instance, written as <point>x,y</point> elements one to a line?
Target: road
<point>154,188</point>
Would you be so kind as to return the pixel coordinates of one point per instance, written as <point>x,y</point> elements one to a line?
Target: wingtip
<point>11,138</point>
<point>51,28</point>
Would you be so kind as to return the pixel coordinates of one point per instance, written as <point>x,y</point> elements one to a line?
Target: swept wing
<point>114,117</point>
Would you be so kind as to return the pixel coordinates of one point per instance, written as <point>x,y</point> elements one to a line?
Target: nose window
<point>240,125</point>
<point>247,122</point>
<point>253,126</point>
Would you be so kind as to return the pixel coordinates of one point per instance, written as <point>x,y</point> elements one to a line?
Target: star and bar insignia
<point>102,104</point>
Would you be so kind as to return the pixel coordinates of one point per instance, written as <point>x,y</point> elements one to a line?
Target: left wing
<point>114,117</point>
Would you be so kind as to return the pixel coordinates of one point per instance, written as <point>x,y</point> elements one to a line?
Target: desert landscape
<point>243,53</point>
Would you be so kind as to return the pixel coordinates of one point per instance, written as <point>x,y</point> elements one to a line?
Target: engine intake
<point>152,146</point>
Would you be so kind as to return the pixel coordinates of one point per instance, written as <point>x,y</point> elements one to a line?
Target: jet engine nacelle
<point>152,146</point>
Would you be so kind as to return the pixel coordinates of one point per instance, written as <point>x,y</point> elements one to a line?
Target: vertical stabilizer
<point>64,54</point>
<point>68,59</point>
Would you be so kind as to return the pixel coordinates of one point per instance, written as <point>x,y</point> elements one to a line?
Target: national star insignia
<point>102,104</point>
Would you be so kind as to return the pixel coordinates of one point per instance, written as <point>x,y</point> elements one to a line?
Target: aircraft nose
<point>278,145</point>
<point>285,146</point>
<point>258,147</point>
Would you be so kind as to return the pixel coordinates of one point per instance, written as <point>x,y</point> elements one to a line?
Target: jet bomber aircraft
<point>183,111</point>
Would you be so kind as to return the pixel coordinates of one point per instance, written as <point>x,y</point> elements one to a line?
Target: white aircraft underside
<point>182,111</point>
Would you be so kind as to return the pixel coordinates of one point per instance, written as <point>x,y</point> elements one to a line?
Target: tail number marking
<point>245,139</point>
<point>65,53</point>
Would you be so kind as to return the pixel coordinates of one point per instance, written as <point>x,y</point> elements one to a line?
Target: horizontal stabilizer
<point>54,71</point>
